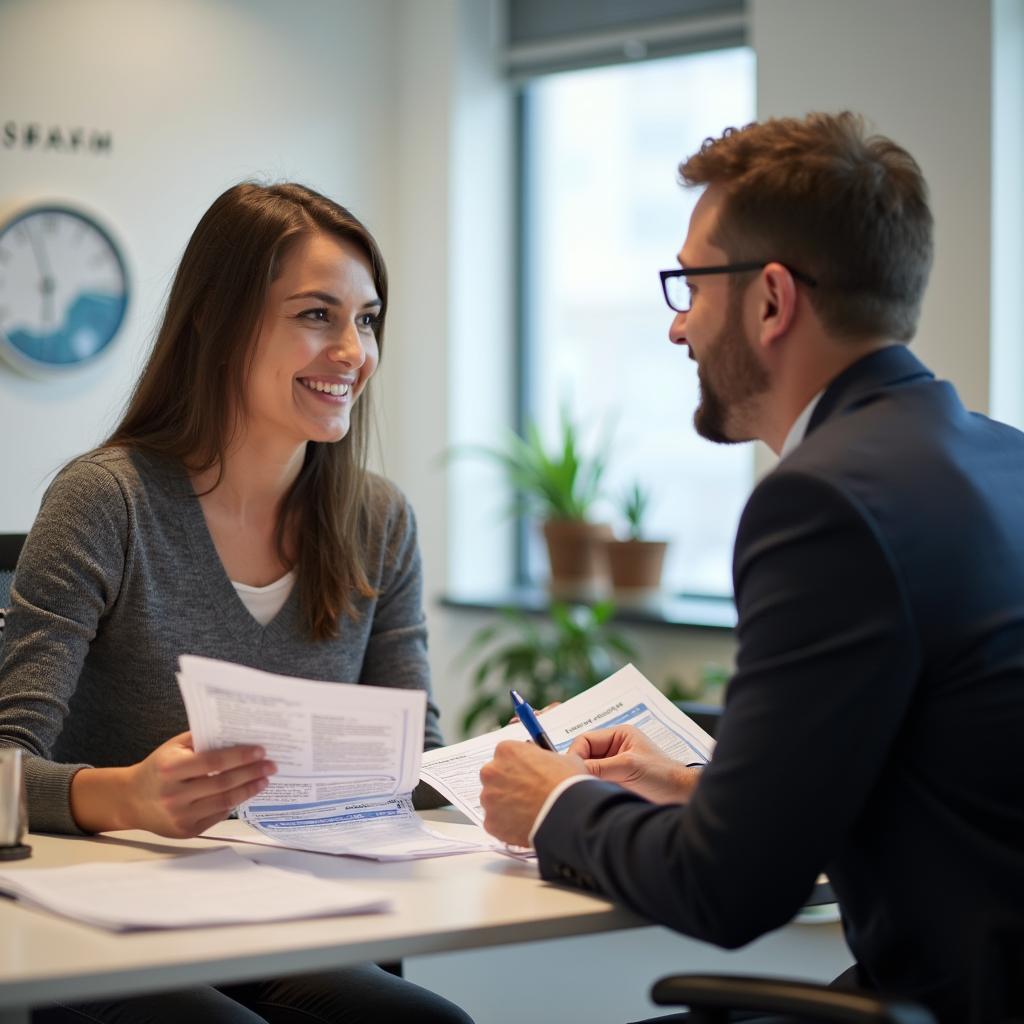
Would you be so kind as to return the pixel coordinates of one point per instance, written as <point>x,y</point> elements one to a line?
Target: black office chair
<point>705,715</point>
<point>713,998</point>
<point>997,988</point>
<point>10,547</point>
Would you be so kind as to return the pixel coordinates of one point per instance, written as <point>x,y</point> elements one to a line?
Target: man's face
<point>730,376</point>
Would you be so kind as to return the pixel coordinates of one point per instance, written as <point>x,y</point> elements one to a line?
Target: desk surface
<point>448,903</point>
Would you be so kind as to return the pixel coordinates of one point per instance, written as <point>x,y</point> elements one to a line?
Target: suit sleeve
<point>826,664</point>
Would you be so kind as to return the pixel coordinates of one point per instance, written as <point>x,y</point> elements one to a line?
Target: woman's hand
<point>174,792</point>
<point>626,756</point>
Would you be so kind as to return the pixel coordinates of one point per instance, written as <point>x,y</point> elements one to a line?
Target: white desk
<point>450,903</point>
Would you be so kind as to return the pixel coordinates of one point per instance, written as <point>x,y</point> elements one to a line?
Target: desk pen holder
<point>13,814</point>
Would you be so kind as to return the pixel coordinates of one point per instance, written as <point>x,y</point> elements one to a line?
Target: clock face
<point>63,288</point>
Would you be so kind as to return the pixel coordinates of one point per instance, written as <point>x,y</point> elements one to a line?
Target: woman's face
<point>317,346</point>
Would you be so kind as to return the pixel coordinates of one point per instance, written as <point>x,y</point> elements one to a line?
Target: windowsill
<point>718,613</point>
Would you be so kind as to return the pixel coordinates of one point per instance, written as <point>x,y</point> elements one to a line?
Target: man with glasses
<point>873,725</point>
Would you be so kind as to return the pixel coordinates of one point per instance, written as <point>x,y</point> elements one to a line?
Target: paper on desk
<point>347,757</point>
<point>380,830</point>
<point>192,890</point>
<point>625,698</point>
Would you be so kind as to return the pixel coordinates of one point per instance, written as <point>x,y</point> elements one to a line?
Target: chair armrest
<point>777,995</point>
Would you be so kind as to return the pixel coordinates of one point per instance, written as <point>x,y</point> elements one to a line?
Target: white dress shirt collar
<point>799,428</point>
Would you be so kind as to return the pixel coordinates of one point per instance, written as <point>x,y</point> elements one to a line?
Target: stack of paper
<point>208,888</point>
<point>347,756</point>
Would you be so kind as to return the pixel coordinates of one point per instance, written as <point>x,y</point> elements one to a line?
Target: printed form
<point>347,756</point>
<point>625,698</point>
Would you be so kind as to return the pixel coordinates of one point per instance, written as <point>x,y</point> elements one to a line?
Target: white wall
<point>198,94</point>
<point>921,72</point>
<point>1008,211</point>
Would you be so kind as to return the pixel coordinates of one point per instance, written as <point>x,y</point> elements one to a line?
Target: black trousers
<point>351,995</point>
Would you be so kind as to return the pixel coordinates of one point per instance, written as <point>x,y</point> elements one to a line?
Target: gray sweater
<point>120,576</point>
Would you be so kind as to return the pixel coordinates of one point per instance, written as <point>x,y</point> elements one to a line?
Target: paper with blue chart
<point>625,698</point>
<point>347,756</point>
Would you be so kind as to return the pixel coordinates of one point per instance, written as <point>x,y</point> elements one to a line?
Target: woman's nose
<point>348,348</point>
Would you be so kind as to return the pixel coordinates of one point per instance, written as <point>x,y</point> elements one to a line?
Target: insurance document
<point>347,756</point>
<point>625,698</point>
<point>213,887</point>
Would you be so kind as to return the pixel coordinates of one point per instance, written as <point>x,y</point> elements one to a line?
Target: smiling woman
<point>279,289</point>
<point>230,515</point>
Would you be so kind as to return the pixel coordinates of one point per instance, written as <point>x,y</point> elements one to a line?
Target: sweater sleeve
<point>396,654</point>
<point>68,576</point>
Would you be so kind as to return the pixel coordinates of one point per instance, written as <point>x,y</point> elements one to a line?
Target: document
<point>625,698</point>
<point>213,887</point>
<point>347,756</point>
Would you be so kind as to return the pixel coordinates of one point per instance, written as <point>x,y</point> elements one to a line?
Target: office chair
<point>10,547</point>
<point>705,715</point>
<point>713,997</point>
<point>997,992</point>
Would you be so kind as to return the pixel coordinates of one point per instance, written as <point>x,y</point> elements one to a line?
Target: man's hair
<point>821,196</point>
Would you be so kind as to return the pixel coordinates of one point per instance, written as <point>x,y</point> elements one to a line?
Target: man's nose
<point>677,330</point>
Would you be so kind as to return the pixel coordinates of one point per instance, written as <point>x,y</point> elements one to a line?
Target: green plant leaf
<point>484,707</point>
<point>550,657</point>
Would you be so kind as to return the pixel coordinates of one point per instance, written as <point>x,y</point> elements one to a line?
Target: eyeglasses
<point>677,291</point>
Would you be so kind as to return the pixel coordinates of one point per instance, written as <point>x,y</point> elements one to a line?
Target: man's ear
<point>776,303</point>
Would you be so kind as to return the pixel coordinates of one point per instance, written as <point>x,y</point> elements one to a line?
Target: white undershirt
<point>263,603</point>
<point>793,439</point>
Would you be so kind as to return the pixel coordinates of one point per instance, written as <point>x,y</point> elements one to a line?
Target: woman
<point>228,515</point>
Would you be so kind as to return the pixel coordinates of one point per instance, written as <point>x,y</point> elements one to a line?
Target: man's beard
<point>730,377</point>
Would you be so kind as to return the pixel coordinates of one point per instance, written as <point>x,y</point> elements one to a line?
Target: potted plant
<point>635,563</point>
<point>548,660</point>
<point>560,487</point>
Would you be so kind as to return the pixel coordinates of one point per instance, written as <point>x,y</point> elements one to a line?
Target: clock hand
<point>47,284</point>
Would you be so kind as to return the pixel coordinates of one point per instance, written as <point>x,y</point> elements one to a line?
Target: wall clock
<point>63,288</point>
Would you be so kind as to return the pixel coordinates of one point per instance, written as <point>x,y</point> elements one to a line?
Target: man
<point>873,728</point>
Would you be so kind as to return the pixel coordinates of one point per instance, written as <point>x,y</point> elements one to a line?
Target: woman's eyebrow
<point>330,300</point>
<point>324,297</point>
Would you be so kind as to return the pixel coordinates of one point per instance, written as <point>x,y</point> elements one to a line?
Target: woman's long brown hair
<point>183,403</point>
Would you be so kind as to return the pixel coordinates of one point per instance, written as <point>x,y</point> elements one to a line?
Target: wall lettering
<point>33,135</point>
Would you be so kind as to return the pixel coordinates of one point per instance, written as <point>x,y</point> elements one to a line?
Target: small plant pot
<point>576,554</point>
<point>635,567</point>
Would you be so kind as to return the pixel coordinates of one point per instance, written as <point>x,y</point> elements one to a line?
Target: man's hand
<point>626,756</point>
<point>516,784</point>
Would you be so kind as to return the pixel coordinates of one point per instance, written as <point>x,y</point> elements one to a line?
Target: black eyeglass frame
<point>725,268</point>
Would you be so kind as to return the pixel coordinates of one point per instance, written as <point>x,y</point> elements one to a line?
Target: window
<point>602,213</point>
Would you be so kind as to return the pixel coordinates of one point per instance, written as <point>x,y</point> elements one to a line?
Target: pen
<point>528,717</point>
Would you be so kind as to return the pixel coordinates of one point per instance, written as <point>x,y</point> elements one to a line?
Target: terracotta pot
<point>576,554</point>
<point>635,567</point>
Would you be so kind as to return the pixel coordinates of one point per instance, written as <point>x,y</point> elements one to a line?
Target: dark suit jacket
<point>874,728</point>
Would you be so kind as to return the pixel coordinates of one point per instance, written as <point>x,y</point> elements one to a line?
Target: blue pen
<point>528,717</point>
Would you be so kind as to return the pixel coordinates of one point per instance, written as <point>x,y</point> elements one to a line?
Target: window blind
<point>563,35</point>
